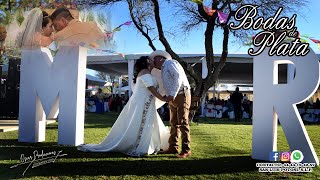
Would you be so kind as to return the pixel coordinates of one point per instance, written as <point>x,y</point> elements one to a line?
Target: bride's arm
<point>45,41</point>
<point>153,90</point>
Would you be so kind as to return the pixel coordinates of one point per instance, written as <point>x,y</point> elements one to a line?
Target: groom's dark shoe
<point>169,151</point>
<point>184,154</point>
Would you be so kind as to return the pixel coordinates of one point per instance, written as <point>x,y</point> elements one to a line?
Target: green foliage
<point>19,17</point>
<point>90,16</point>
<point>102,75</point>
<point>3,60</point>
<point>8,18</point>
<point>102,19</point>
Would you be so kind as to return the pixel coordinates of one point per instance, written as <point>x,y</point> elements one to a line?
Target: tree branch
<point>202,12</point>
<point>140,28</point>
<point>166,44</point>
<point>224,53</point>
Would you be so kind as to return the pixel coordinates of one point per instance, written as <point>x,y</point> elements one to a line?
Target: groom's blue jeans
<point>179,120</point>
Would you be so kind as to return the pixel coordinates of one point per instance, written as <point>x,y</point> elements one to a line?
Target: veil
<point>29,35</point>
<point>157,74</point>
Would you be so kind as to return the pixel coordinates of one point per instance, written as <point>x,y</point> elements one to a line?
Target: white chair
<point>316,111</point>
<point>92,108</point>
<point>309,117</point>
<point>310,111</point>
<point>231,115</point>
<point>224,109</point>
<point>245,115</point>
<point>218,111</point>
<point>106,107</point>
<point>210,112</point>
<point>301,110</point>
<point>317,114</point>
<point>91,103</point>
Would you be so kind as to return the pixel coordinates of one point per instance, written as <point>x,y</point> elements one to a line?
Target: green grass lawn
<point>221,149</point>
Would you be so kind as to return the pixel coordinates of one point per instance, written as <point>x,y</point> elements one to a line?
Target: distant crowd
<point>101,102</point>
<point>236,107</point>
<point>309,105</point>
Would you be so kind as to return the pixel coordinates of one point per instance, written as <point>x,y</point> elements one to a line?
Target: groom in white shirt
<point>177,88</point>
<point>71,31</point>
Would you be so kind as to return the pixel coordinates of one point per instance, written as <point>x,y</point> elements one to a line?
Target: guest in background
<point>118,103</point>
<point>100,101</point>
<point>245,98</point>
<point>246,107</point>
<point>236,99</point>
<point>230,108</point>
<point>111,103</point>
<point>317,104</point>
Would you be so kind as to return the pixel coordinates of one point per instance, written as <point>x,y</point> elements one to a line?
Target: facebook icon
<point>274,156</point>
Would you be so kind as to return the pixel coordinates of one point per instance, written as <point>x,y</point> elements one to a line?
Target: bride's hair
<point>142,63</point>
<point>31,28</point>
<point>45,19</point>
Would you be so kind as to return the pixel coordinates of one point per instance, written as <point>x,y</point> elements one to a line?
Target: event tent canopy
<point>237,70</point>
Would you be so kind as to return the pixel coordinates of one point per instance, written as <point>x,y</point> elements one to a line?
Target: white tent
<point>93,78</point>
<point>94,81</point>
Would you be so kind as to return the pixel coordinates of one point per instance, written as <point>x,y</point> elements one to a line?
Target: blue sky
<point>130,41</point>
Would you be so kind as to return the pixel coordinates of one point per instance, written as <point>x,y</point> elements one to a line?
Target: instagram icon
<point>285,157</point>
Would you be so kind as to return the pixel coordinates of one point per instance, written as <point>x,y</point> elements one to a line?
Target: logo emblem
<point>285,157</point>
<point>296,156</point>
<point>274,156</point>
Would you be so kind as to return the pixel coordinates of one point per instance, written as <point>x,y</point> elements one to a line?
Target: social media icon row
<point>295,156</point>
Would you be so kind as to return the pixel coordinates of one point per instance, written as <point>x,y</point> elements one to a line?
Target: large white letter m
<point>50,85</point>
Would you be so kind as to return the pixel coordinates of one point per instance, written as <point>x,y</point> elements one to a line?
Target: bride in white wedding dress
<point>139,129</point>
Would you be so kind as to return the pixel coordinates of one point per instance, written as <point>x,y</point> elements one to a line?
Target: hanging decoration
<point>315,41</point>
<point>223,17</point>
<point>209,10</point>
<point>110,33</point>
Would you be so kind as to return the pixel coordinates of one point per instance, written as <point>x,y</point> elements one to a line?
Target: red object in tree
<point>314,40</point>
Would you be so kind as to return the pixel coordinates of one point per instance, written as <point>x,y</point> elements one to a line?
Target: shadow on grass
<point>12,149</point>
<point>221,165</point>
<point>205,120</point>
<point>78,163</point>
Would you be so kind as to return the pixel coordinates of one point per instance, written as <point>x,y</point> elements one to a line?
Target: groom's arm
<point>174,80</point>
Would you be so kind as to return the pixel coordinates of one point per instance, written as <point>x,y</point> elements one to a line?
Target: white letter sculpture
<point>273,101</point>
<point>49,85</point>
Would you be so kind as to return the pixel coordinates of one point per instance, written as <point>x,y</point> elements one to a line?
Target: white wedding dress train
<point>139,129</point>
